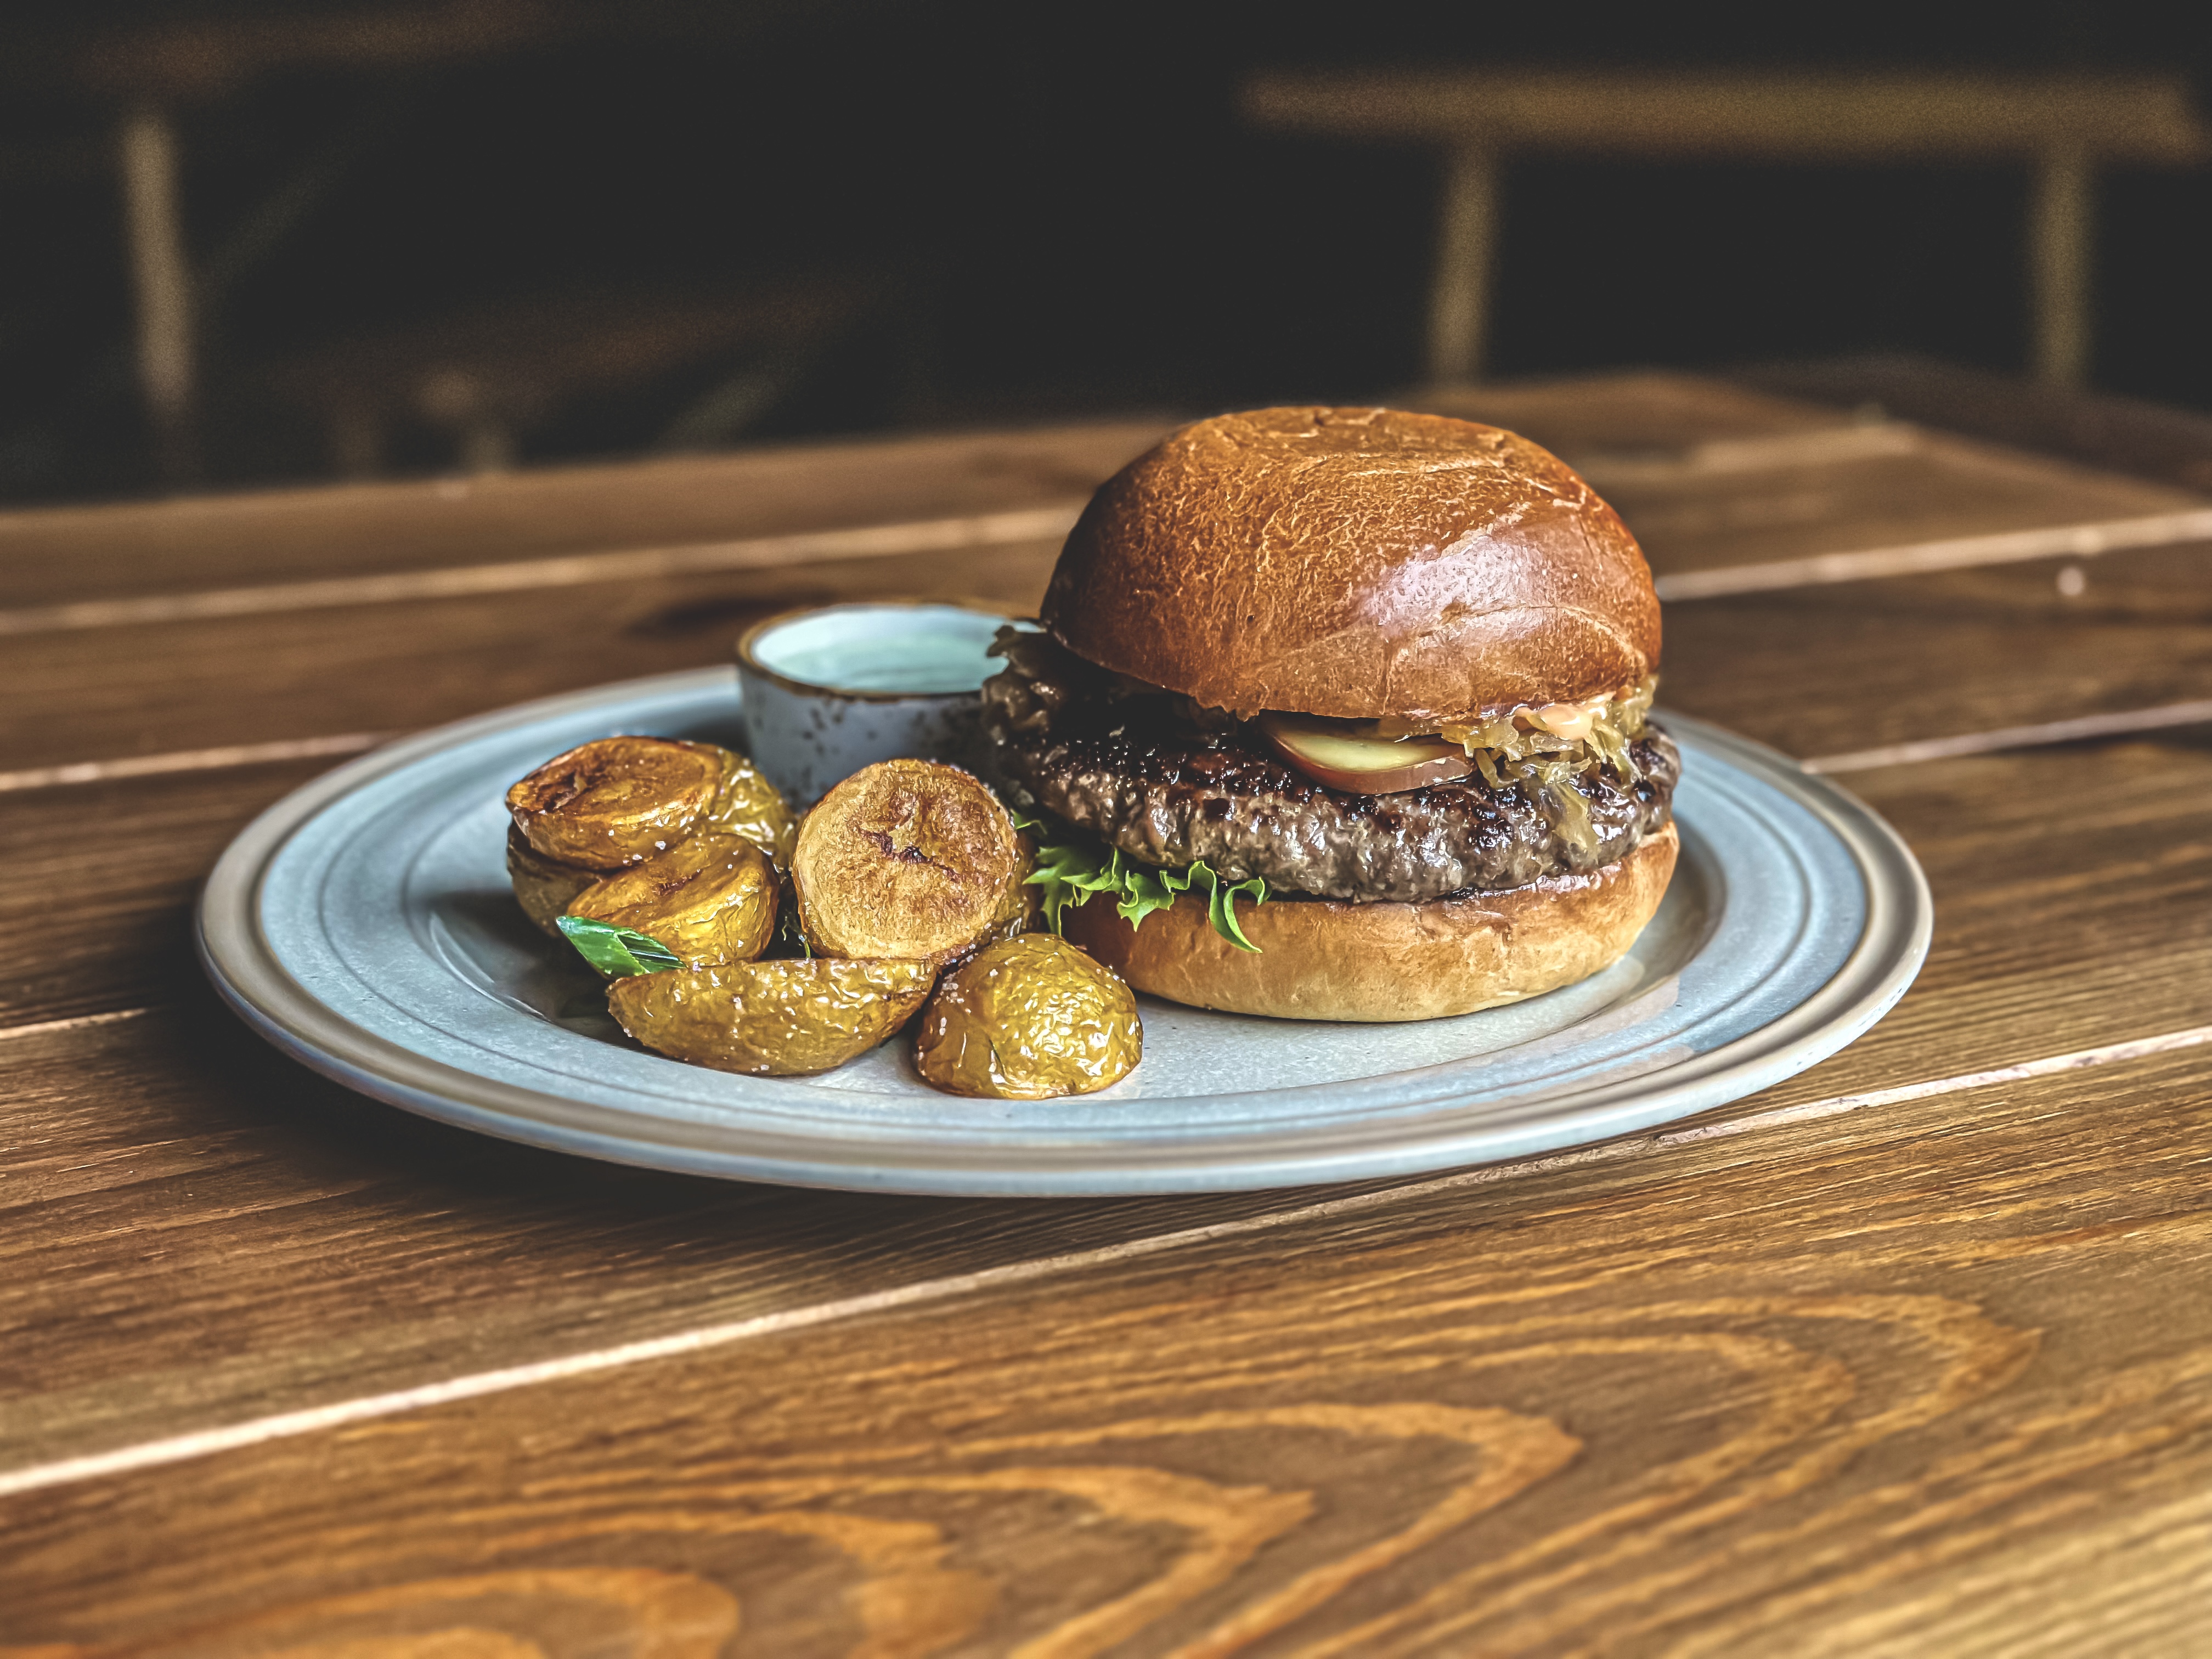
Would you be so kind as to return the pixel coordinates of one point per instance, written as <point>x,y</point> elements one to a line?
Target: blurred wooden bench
<point>485,379</point>
<point>2065,126</point>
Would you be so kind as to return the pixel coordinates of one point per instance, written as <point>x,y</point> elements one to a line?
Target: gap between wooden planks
<point>176,1448</point>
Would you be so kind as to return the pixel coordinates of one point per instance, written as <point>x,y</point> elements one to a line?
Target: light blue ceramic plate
<point>364,925</point>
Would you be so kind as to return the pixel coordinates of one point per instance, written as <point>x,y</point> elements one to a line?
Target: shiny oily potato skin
<point>746,804</point>
<point>784,1018</point>
<point>1030,1018</point>
<point>709,898</point>
<point>908,857</point>
<point>543,886</point>
<point>616,801</point>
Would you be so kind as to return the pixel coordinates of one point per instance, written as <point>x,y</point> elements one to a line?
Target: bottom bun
<point>1325,959</point>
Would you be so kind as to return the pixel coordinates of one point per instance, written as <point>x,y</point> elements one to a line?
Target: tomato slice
<point>1340,759</point>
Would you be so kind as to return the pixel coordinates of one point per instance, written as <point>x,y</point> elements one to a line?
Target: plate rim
<point>242,964</point>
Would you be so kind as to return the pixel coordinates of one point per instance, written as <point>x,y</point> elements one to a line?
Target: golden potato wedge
<point>616,801</point>
<point>787,1019</point>
<point>1028,1019</point>
<point>746,804</point>
<point>907,857</point>
<point>709,898</point>
<point>543,886</point>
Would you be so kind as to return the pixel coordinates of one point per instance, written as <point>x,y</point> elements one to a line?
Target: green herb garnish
<point>616,953</point>
<point>1072,870</point>
<point>790,938</point>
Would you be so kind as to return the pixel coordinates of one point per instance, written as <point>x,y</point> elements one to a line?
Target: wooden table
<point>1911,1354</point>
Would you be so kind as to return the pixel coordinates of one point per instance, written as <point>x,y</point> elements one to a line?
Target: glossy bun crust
<point>1321,959</point>
<point>1358,563</point>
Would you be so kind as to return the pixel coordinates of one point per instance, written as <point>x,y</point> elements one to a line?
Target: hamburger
<point>1341,713</point>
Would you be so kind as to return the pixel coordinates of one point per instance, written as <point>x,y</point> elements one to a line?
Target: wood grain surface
<point>73,553</point>
<point>296,1212</point>
<point>1786,1395</point>
<point>2119,433</point>
<point>1907,1355</point>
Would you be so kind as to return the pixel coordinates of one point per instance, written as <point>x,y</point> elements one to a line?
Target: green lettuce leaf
<point>1072,870</point>
<point>1069,872</point>
<point>616,953</point>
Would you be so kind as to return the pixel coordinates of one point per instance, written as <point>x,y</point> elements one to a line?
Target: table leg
<point>147,150</point>
<point>2061,245</point>
<point>356,440</point>
<point>1459,300</point>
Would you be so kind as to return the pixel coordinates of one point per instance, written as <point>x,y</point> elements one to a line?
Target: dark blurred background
<point>415,237</point>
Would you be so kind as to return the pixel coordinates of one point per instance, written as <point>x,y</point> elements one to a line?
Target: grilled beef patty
<point>1169,784</point>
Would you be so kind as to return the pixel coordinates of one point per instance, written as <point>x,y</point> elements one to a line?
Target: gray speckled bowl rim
<point>749,663</point>
<point>244,967</point>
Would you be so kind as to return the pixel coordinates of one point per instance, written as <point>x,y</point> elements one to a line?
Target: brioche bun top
<point>1356,562</point>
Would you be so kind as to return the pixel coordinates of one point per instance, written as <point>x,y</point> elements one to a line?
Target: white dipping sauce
<point>921,650</point>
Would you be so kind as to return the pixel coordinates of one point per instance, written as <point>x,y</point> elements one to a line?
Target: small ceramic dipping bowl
<point>830,691</point>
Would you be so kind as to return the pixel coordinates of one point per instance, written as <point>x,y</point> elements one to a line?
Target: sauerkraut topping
<point>1545,748</point>
<point>1596,732</point>
<point>1542,747</point>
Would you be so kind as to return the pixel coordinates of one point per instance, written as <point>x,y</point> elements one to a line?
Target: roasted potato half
<point>910,859</point>
<point>543,886</point>
<point>709,898</point>
<point>788,1018</point>
<point>746,804</point>
<point>1028,1019</point>
<point>616,801</point>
